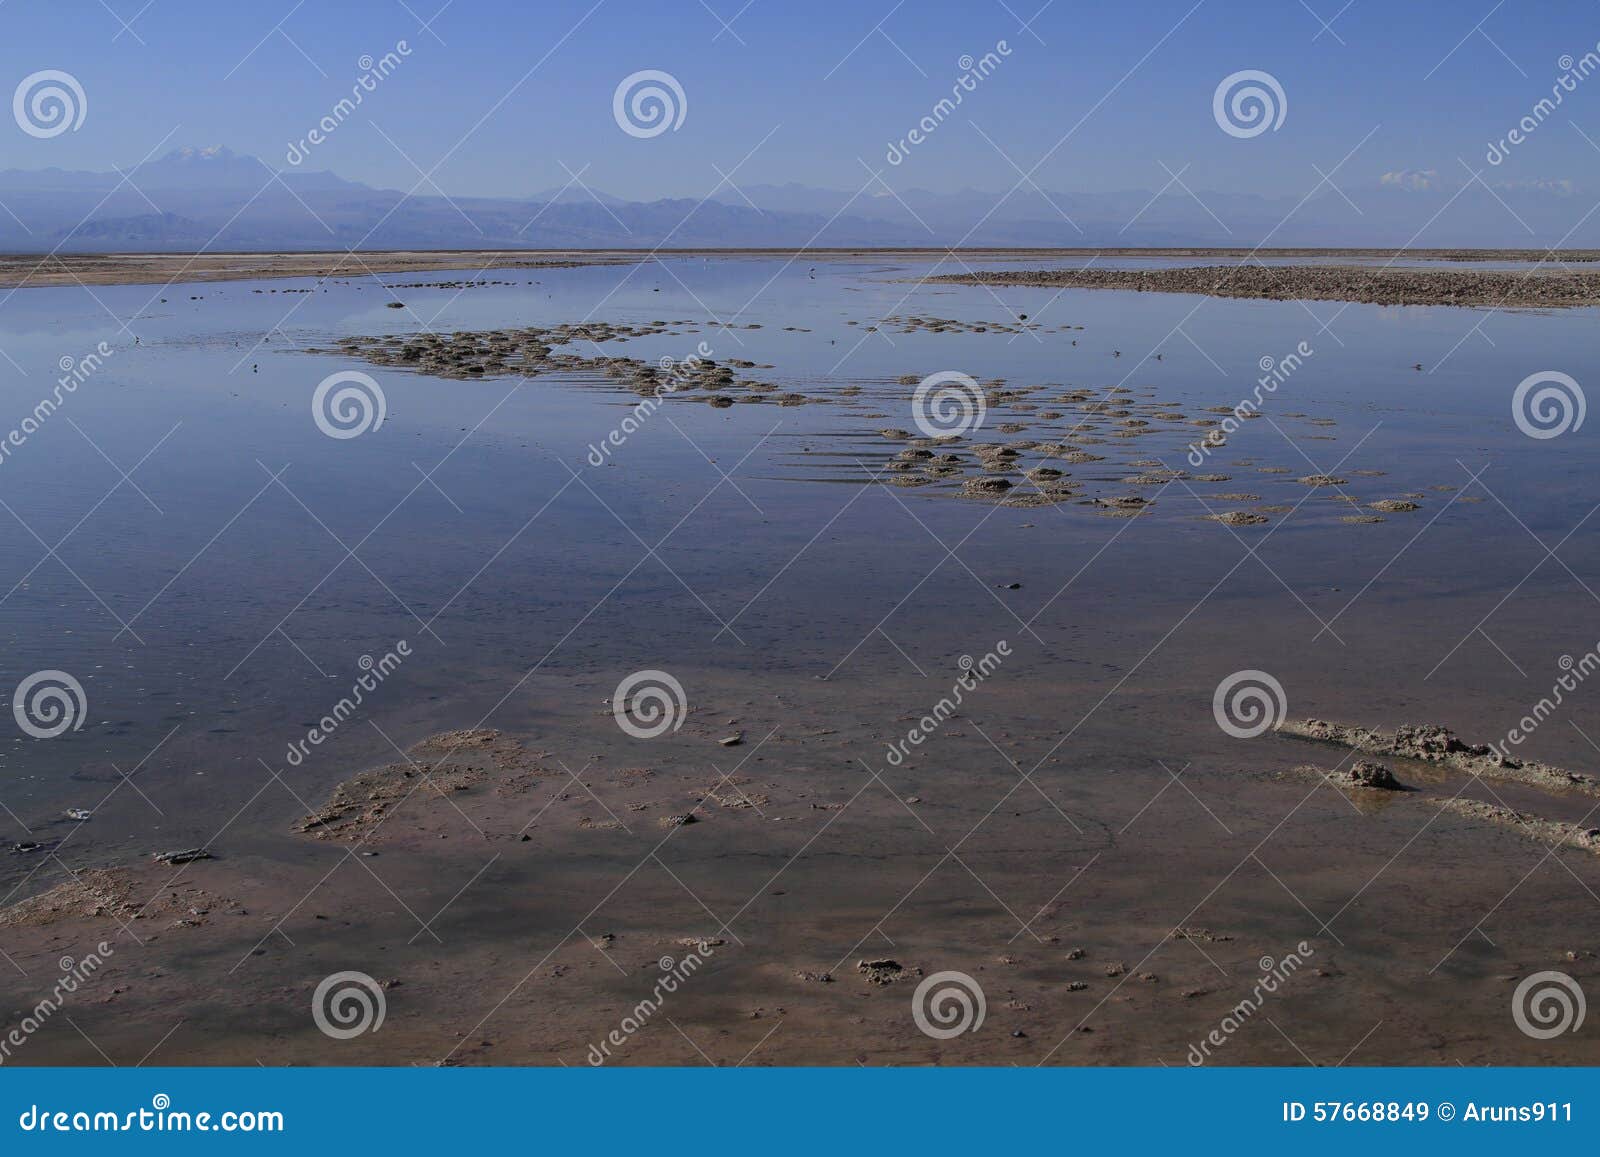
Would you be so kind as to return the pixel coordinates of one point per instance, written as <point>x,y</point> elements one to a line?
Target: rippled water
<point>183,540</point>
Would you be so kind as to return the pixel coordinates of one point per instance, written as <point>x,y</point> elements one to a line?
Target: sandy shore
<point>33,269</point>
<point>56,269</point>
<point>1545,286</point>
<point>814,899</point>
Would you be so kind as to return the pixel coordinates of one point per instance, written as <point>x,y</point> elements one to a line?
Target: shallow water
<point>219,599</point>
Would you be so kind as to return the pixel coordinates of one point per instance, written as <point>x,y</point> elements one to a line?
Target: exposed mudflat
<point>1431,743</point>
<point>1545,286</point>
<point>139,268</point>
<point>541,899</point>
<point>1020,444</point>
<point>150,268</point>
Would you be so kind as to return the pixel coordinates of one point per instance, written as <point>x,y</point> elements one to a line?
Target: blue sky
<point>505,93</point>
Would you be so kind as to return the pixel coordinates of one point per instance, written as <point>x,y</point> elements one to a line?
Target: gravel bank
<point>1544,287</point>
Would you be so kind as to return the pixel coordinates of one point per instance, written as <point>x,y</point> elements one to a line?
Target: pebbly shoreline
<point>1538,287</point>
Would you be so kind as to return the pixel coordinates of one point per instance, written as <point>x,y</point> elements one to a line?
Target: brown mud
<point>1539,287</point>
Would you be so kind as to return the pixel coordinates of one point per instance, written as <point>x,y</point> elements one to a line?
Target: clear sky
<point>499,95</point>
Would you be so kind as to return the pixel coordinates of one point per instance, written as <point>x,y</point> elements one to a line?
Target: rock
<point>1365,773</point>
<point>986,485</point>
<point>1238,518</point>
<point>186,856</point>
<point>1385,286</point>
<point>884,971</point>
<point>1433,742</point>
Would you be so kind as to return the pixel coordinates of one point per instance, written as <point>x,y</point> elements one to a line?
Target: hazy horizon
<point>492,99</point>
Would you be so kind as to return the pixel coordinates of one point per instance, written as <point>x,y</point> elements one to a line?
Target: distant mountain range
<point>221,200</point>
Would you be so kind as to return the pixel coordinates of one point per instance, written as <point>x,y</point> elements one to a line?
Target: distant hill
<point>213,197</point>
<point>147,230</point>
